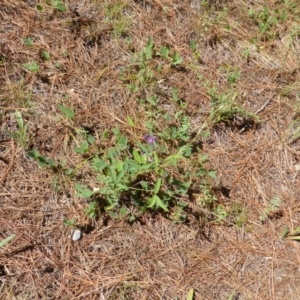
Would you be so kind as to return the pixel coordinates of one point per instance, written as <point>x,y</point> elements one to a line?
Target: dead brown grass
<point>153,258</point>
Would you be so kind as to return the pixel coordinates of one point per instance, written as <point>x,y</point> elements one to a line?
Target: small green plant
<point>45,55</point>
<point>233,75</point>
<point>176,59</point>
<point>271,209</point>
<point>31,66</point>
<point>115,17</point>
<point>20,135</point>
<point>91,210</point>
<point>291,234</point>
<point>224,107</point>
<point>141,72</point>
<point>221,214</point>
<point>21,94</point>
<point>267,20</point>
<point>59,5</point>
<point>238,214</point>
<point>155,172</point>
<point>42,160</point>
<point>28,42</point>
<point>70,223</point>
<point>293,132</point>
<point>143,174</point>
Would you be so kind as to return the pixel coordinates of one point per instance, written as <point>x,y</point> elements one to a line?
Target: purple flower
<point>150,139</point>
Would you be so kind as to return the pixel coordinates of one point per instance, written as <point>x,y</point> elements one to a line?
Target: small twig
<point>264,105</point>
<point>11,161</point>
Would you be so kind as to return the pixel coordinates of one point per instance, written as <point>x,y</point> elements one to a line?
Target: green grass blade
<point>7,240</point>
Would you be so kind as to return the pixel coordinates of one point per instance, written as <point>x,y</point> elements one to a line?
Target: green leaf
<point>7,240</point>
<point>19,119</point>
<point>45,55</point>
<point>28,42</point>
<point>42,161</point>
<point>99,164</point>
<point>69,113</point>
<point>83,192</point>
<point>90,210</point>
<point>285,232</point>
<point>69,171</point>
<point>113,214</point>
<point>111,153</point>
<point>294,238</point>
<point>175,95</point>
<point>193,45</point>
<point>122,142</point>
<point>149,125</point>
<point>136,156</point>
<point>144,185</point>
<point>133,167</point>
<point>153,100</point>
<point>160,203</point>
<point>112,175</point>
<point>156,162</point>
<point>152,201</point>
<point>148,166</point>
<point>132,88</point>
<point>123,210</point>
<point>296,231</point>
<point>176,60</point>
<point>231,296</point>
<point>91,139</point>
<point>84,147</point>
<point>164,51</point>
<point>188,151</point>
<point>34,153</point>
<point>39,7</point>
<point>284,15</point>
<point>59,6</point>
<point>157,186</point>
<point>148,49</point>
<point>190,295</point>
<point>130,121</point>
<point>70,222</point>
<point>116,131</point>
<point>142,147</point>
<point>204,158</point>
<point>120,176</point>
<point>51,162</point>
<point>205,134</point>
<point>212,174</point>
<point>32,66</point>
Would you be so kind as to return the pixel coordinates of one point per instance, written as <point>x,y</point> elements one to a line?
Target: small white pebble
<point>76,235</point>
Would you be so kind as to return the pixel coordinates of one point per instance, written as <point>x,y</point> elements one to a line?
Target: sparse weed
<point>153,173</point>
<point>20,135</point>
<point>293,132</point>
<point>21,94</point>
<point>140,74</point>
<point>115,16</point>
<point>271,209</point>
<point>267,20</point>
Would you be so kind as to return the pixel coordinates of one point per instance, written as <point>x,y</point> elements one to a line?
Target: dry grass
<point>153,258</point>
